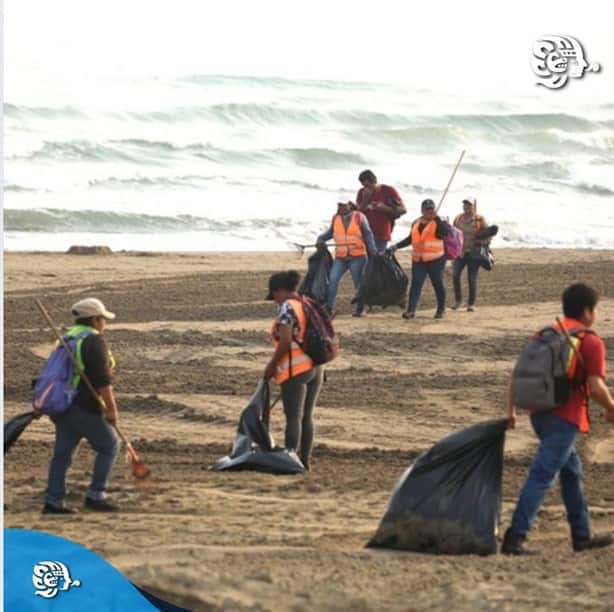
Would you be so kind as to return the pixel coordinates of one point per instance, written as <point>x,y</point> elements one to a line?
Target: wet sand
<point>191,341</point>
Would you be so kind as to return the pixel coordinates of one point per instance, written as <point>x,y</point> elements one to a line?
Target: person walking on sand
<point>353,244</point>
<point>470,224</point>
<point>292,368</point>
<point>382,206</point>
<point>428,258</point>
<point>84,419</point>
<point>558,429</point>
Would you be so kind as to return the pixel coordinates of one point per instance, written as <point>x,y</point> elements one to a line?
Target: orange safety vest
<point>348,243</point>
<point>426,246</point>
<point>295,361</point>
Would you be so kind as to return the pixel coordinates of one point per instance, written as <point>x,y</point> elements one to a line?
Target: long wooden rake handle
<point>445,192</point>
<point>86,380</point>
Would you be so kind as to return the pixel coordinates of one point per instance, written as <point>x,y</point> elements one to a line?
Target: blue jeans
<point>70,427</point>
<point>381,245</point>
<point>419,271</point>
<point>556,455</point>
<point>340,266</point>
<point>473,268</point>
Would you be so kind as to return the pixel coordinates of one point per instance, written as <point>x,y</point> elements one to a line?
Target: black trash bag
<point>449,500</point>
<point>14,428</point>
<point>383,282</point>
<point>254,448</point>
<point>484,256</point>
<point>315,282</point>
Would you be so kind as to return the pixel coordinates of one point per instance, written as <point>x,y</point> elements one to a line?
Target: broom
<point>139,469</point>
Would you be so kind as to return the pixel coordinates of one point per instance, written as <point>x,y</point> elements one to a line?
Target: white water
<point>197,162</point>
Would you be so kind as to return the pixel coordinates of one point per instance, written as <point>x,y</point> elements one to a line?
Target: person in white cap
<point>471,224</point>
<point>354,243</point>
<point>84,418</point>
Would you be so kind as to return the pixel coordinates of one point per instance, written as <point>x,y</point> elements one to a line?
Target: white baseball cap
<point>472,201</point>
<point>90,307</point>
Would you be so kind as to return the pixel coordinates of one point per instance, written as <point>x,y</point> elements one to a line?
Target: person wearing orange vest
<point>428,258</point>
<point>354,242</point>
<point>300,380</point>
<point>558,430</point>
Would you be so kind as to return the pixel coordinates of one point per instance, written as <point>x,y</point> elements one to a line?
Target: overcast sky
<point>473,46</point>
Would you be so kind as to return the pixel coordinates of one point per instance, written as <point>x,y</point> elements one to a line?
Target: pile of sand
<point>89,250</point>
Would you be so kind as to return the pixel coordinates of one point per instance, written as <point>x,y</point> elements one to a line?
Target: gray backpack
<point>541,381</point>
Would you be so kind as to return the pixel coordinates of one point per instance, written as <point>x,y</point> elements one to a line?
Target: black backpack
<point>320,341</point>
<point>394,204</point>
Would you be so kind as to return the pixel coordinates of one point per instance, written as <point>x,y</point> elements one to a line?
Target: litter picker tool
<point>458,163</point>
<point>301,247</point>
<point>139,469</point>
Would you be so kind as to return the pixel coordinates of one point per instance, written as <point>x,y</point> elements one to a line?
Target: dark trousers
<point>70,427</point>
<point>299,395</point>
<point>419,271</point>
<point>473,267</point>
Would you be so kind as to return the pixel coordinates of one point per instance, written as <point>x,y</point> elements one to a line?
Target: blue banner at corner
<point>44,572</point>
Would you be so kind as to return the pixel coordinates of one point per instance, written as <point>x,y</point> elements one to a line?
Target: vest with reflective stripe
<point>425,245</point>
<point>76,330</point>
<point>295,361</point>
<point>348,243</point>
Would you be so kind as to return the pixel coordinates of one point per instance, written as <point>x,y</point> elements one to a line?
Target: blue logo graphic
<point>32,583</point>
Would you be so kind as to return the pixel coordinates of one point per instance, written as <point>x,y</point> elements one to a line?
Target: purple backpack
<point>53,391</point>
<point>453,243</point>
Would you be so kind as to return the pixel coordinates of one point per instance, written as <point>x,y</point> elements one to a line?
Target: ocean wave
<point>63,220</point>
<point>592,188</point>
<point>22,111</point>
<point>79,150</point>
<point>19,188</point>
<point>276,82</point>
<point>537,170</point>
<point>138,150</point>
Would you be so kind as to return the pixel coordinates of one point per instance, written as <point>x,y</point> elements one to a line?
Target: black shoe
<point>100,505</point>
<point>513,544</point>
<point>440,314</point>
<point>408,315</point>
<point>51,509</point>
<point>595,541</point>
<point>359,311</point>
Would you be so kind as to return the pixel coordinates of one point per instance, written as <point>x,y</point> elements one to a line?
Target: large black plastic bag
<point>315,282</point>
<point>14,428</point>
<point>254,448</point>
<point>383,282</point>
<point>449,500</point>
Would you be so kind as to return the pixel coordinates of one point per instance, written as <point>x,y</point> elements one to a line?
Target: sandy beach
<point>191,340</point>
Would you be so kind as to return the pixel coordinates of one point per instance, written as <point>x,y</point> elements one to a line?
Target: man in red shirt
<point>558,430</point>
<point>381,204</point>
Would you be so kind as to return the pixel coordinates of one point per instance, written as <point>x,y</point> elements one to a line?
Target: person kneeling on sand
<point>354,242</point>
<point>428,258</point>
<point>292,368</point>
<point>84,418</point>
<point>558,429</point>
